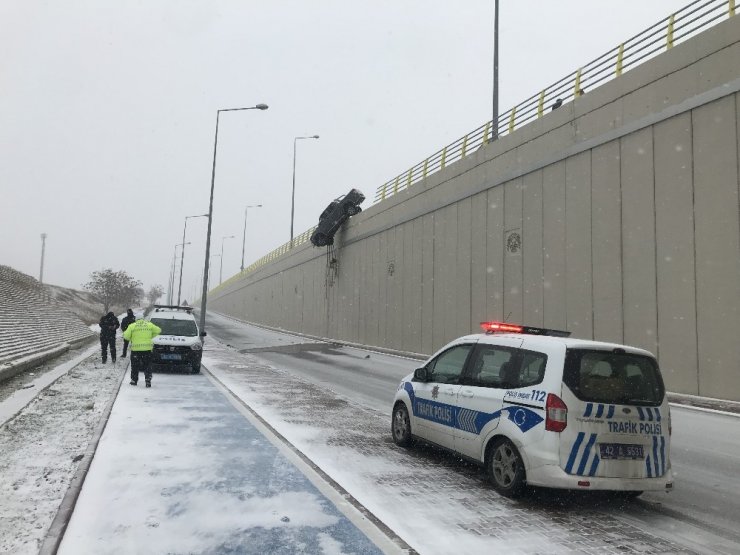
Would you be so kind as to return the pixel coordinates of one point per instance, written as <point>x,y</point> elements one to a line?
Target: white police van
<point>179,344</point>
<point>536,407</point>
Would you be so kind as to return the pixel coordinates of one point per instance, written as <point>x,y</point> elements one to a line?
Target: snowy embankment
<point>33,326</point>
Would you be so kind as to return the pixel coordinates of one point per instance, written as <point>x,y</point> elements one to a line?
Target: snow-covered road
<point>180,470</point>
<point>436,503</point>
<point>169,474</point>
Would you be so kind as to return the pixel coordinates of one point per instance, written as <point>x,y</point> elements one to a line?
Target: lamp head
<point>262,106</point>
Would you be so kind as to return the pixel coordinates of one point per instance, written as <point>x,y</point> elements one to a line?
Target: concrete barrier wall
<point>616,216</point>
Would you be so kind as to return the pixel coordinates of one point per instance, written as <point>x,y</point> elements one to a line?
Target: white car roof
<point>544,340</point>
<point>171,315</point>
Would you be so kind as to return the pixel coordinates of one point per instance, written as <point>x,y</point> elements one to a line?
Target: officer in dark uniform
<point>126,322</point>
<point>108,326</point>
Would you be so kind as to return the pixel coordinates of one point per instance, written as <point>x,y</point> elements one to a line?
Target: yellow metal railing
<point>675,28</point>
<point>679,26</point>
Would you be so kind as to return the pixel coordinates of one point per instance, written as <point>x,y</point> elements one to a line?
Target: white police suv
<point>536,407</point>
<point>179,344</point>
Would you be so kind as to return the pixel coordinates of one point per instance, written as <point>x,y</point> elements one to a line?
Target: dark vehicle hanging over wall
<point>332,218</point>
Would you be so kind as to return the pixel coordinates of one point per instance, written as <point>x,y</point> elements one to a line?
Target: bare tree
<point>155,291</point>
<point>114,288</point>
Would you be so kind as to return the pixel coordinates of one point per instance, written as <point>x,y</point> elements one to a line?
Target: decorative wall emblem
<point>514,242</point>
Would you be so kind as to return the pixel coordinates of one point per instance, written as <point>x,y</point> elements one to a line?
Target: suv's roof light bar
<point>158,307</point>
<point>504,327</point>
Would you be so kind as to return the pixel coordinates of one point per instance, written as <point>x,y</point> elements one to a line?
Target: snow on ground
<point>41,448</point>
<point>436,503</point>
<point>180,470</point>
<point>25,393</point>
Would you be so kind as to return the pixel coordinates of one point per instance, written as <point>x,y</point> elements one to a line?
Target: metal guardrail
<point>270,256</point>
<point>663,35</point>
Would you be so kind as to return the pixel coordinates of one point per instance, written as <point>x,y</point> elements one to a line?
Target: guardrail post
<point>444,158</point>
<point>464,147</point>
<point>620,56</point>
<point>426,165</point>
<point>577,88</point>
<point>512,119</point>
<point>731,8</point>
<point>485,133</point>
<point>669,33</point>
<point>408,179</point>
<point>382,192</point>
<point>395,185</point>
<point>541,105</point>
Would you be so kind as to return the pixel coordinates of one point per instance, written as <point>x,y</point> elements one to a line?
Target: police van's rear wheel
<point>196,368</point>
<point>401,426</point>
<point>506,468</point>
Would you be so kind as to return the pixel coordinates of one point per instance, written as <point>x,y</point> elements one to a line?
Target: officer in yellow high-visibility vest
<point>140,335</point>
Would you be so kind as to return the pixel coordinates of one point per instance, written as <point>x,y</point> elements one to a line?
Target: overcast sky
<point>107,113</point>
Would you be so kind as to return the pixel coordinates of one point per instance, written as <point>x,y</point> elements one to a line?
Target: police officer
<point>125,323</point>
<point>108,326</point>
<point>140,334</point>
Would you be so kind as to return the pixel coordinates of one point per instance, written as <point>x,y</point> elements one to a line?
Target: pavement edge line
<point>58,527</point>
<point>369,348</point>
<point>397,540</point>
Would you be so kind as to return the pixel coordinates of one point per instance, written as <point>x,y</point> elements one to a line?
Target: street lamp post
<point>494,127</point>
<point>292,197</point>
<point>43,251</point>
<point>212,257</point>
<point>221,271</point>
<point>244,237</point>
<point>204,296</point>
<point>182,259</point>
<point>171,291</point>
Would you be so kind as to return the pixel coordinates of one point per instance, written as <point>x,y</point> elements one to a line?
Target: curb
<point>15,367</point>
<point>349,498</point>
<point>704,403</point>
<point>58,527</point>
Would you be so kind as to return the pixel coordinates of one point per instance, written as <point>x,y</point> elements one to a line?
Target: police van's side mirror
<point>203,334</point>
<point>421,374</point>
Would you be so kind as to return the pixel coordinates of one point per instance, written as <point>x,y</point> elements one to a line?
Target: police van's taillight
<point>556,418</point>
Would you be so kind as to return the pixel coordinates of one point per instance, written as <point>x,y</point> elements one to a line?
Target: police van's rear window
<point>613,377</point>
<point>185,328</point>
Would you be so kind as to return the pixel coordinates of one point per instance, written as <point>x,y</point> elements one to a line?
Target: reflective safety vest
<point>140,334</point>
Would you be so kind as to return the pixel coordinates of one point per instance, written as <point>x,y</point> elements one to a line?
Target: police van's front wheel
<point>506,468</point>
<point>401,426</point>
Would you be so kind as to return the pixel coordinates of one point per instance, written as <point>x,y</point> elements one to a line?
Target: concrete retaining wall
<point>616,216</point>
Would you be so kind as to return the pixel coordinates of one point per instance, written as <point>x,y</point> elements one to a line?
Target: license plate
<point>621,451</point>
<point>171,357</point>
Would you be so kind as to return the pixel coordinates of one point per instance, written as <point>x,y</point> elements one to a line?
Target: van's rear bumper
<point>161,356</point>
<point>552,476</point>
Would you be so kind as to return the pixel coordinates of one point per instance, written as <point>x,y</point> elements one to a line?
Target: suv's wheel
<point>506,468</point>
<point>196,368</point>
<point>321,240</point>
<point>401,426</point>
